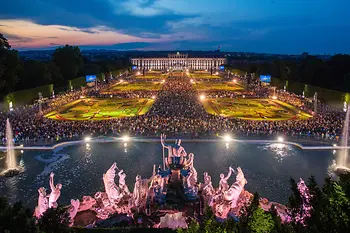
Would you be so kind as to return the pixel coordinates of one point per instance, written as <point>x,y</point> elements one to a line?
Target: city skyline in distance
<point>264,26</point>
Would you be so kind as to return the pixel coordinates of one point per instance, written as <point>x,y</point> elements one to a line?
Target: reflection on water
<point>281,150</point>
<point>79,168</point>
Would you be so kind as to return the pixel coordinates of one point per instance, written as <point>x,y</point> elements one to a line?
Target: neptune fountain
<point>170,197</point>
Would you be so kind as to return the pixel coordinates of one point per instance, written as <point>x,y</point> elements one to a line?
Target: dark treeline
<point>332,73</point>
<point>65,64</point>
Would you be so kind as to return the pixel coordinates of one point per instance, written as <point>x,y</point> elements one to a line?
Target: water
<point>342,159</point>
<point>10,154</point>
<point>79,168</point>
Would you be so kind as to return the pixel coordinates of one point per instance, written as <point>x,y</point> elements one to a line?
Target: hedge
<point>28,96</point>
<point>326,95</point>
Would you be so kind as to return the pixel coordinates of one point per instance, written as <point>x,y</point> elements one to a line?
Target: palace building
<point>179,61</point>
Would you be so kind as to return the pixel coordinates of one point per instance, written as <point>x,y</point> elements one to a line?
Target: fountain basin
<point>11,172</point>
<point>341,170</point>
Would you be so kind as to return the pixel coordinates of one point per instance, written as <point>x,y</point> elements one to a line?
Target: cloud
<point>265,24</point>
<point>26,34</point>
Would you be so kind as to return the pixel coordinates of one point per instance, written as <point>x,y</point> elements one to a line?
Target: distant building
<point>179,61</point>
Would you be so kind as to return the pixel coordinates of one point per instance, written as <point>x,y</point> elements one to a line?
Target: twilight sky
<point>273,26</point>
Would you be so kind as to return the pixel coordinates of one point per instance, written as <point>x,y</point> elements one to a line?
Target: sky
<point>268,26</point>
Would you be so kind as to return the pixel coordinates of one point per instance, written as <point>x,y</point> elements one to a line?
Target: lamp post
<point>40,102</point>
<point>10,106</point>
<point>345,106</point>
<point>315,103</point>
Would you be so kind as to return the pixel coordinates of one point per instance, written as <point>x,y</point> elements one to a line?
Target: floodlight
<point>227,138</point>
<point>125,138</point>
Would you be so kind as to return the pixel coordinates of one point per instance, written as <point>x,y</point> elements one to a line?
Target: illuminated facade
<point>179,61</point>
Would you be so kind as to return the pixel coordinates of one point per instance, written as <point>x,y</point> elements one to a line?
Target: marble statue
<point>173,221</point>
<point>43,203</point>
<point>178,150</point>
<point>122,185</point>
<point>55,192</point>
<point>192,179</point>
<point>232,194</point>
<point>112,190</point>
<point>73,210</point>
<point>166,146</point>
<point>190,160</point>
<point>86,203</point>
<point>176,153</point>
<point>223,184</point>
<point>140,191</point>
<point>208,188</point>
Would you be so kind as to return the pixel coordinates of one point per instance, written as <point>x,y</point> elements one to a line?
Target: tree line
<point>65,64</point>
<point>332,73</point>
<point>330,213</point>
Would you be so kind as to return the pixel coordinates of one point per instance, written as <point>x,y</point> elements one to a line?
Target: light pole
<point>315,103</point>
<point>40,102</point>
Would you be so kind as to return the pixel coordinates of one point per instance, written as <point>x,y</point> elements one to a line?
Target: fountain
<point>11,166</point>
<point>342,158</point>
<point>170,198</point>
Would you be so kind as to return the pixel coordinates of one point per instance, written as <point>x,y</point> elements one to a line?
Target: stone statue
<point>232,194</point>
<point>176,153</point>
<point>140,191</point>
<point>190,160</point>
<point>73,210</point>
<point>223,185</point>
<point>173,221</point>
<point>166,146</point>
<point>178,150</point>
<point>55,192</point>
<point>112,190</point>
<point>208,188</point>
<point>122,185</point>
<point>87,203</point>
<point>43,203</point>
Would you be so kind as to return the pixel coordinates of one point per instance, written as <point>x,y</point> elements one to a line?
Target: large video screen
<point>222,67</point>
<point>265,78</point>
<point>90,78</point>
<point>134,67</point>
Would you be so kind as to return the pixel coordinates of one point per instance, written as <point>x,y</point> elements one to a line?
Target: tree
<point>33,74</point>
<point>54,221</point>
<point>55,72</point>
<point>9,67</point>
<point>4,44</point>
<point>16,218</point>
<point>335,209</point>
<point>260,222</point>
<point>69,60</point>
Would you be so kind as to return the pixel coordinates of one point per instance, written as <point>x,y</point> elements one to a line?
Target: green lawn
<point>101,109</point>
<point>204,76</point>
<point>134,86</point>
<point>254,109</point>
<point>148,76</point>
<point>218,86</point>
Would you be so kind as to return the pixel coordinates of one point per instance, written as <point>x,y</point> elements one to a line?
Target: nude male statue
<point>55,192</point>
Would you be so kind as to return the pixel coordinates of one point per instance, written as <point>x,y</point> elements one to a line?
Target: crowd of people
<point>177,111</point>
